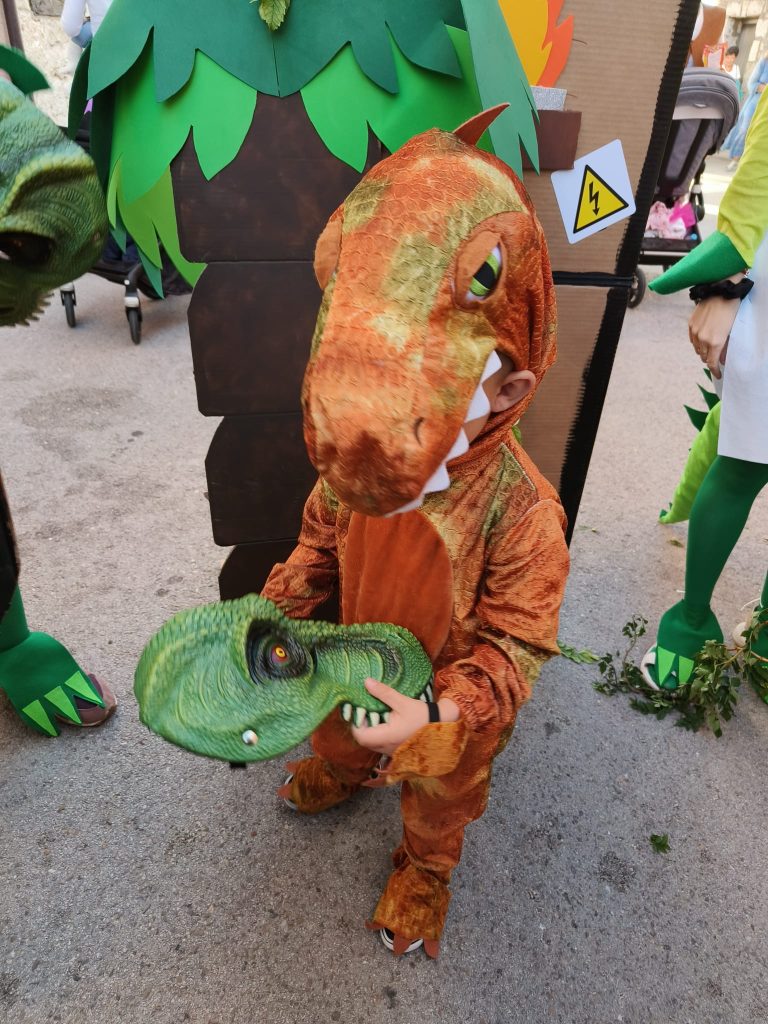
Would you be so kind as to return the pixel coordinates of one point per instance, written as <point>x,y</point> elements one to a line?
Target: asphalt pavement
<point>141,884</point>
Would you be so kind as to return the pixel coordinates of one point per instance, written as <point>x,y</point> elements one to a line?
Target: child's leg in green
<point>718,517</point>
<point>39,675</point>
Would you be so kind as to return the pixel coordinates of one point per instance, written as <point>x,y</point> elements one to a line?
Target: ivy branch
<point>708,699</point>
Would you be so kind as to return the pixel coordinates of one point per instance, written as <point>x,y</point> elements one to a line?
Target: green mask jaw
<point>240,682</point>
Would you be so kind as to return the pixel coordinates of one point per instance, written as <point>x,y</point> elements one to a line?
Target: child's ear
<point>514,387</point>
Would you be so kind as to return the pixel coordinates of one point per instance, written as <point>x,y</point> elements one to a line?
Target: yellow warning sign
<point>597,200</point>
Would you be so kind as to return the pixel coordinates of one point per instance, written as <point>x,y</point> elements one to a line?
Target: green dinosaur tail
<point>701,457</point>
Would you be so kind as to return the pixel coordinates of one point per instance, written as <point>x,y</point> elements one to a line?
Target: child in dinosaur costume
<point>437,324</point>
<point>735,475</point>
<point>52,226</point>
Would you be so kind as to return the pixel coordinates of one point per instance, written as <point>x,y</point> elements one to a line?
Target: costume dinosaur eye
<point>271,658</point>
<point>484,280</point>
<point>278,655</point>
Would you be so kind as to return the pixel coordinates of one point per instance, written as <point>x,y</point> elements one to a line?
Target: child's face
<point>504,389</point>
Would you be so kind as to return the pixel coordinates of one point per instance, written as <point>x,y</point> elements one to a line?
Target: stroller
<point>706,110</point>
<point>124,269</point>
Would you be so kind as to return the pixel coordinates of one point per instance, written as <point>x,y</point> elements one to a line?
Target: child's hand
<point>406,717</point>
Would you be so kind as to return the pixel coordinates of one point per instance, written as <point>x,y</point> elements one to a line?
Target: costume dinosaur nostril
<point>417,429</point>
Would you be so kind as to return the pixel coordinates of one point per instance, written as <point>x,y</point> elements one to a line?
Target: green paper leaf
<point>151,221</point>
<point>147,135</point>
<point>660,843</point>
<point>425,100</point>
<point>237,40</point>
<point>278,62</point>
<point>501,79</point>
<point>22,73</point>
<point>273,12</point>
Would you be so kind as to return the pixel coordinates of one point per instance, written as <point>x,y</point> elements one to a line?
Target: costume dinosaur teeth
<point>479,406</point>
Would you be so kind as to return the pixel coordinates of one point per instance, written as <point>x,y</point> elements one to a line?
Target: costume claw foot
<point>310,787</point>
<point>665,670</point>
<point>412,909</point>
<point>284,792</point>
<point>683,632</point>
<point>399,945</point>
<point>28,675</point>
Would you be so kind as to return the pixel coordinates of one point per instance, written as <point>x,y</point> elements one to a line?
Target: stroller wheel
<point>637,291</point>
<point>133,313</point>
<point>69,302</point>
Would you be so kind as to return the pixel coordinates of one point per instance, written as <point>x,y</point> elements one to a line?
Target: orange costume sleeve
<point>517,619</point>
<point>310,575</point>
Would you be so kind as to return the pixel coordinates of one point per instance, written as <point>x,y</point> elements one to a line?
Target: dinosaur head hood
<point>52,212</point>
<point>435,261</point>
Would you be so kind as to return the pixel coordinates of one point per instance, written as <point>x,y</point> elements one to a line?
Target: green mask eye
<point>484,281</point>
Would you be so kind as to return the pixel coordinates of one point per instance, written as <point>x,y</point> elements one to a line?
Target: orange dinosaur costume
<point>477,570</point>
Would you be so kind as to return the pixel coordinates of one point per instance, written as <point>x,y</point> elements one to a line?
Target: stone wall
<point>740,11</point>
<point>47,46</point>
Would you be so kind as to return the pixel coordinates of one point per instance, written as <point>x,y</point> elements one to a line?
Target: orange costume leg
<point>335,772</point>
<point>435,814</point>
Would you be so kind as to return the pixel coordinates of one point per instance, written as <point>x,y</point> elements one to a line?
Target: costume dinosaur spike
<point>240,681</point>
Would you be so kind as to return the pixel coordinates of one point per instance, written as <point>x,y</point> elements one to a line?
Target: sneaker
<point>388,938</point>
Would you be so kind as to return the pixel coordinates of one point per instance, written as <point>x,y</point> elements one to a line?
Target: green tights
<point>718,517</point>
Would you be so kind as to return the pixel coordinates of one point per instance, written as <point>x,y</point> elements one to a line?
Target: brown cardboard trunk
<point>623,75</point>
<point>253,311</point>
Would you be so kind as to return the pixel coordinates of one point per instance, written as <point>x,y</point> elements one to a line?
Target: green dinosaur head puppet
<point>239,681</point>
<point>434,262</point>
<point>53,219</point>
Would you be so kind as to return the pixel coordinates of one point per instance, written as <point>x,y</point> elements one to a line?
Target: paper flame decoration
<point>543,45</point>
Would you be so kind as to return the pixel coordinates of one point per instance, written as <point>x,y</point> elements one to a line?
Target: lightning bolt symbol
<point>594,197</point>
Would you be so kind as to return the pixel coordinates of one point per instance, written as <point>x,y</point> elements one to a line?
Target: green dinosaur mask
<point>239,681</point>
<point>53,219</point>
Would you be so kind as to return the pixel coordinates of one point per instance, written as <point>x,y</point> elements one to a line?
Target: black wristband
<point>434,711</point>
<point>722,290</point>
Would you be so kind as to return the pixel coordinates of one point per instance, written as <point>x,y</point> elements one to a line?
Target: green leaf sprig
<point>273,12</point>
<point>709,698</point>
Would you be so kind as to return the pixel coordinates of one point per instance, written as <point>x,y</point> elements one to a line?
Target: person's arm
<point>517,616</point>
<point>73,16</point>
<point>309,576</point>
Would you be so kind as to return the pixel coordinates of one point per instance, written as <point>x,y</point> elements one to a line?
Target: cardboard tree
<point>228,140</point>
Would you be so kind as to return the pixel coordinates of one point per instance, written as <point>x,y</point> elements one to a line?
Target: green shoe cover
<point>39,675</point>
<point>678,644</point>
